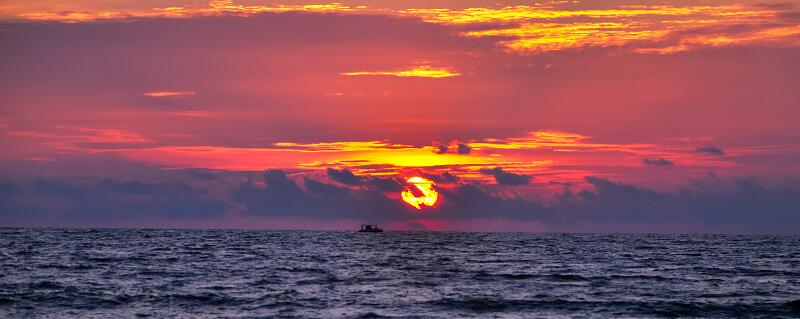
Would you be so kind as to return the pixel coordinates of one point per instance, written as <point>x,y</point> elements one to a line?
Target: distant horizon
<point>355,230</point>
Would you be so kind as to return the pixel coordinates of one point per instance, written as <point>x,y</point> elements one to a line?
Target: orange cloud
<point>535,152</point>
<point>74,14</point>
<point>537,32</point>
<point>76,134</point>
<point>233,158</point>
<point>787,35</point>
<point>529,29</point>
<point>544,12</point>
<point>550,156</point>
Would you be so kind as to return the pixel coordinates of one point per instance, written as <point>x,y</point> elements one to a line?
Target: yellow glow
<point>190,113</point>
<point>415,157</point>
<point>169,93</point>
<point>553,36</point>
<point>419,71</point>
<point>533,140</point>
<point>342,146</point>
<point>522,13</point>
<point>425,186</point>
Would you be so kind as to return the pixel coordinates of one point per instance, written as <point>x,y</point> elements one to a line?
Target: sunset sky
<point>588,116</point>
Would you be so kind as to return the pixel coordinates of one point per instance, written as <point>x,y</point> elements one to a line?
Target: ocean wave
<point>175,273</point>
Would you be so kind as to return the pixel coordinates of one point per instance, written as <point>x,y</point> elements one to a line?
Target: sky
<point>554,116</point>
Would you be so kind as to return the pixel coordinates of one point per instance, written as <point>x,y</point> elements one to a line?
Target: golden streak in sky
<point>419,71</point>
<point>169,93</point>
<point>349,146</point>
<point>423,185</point>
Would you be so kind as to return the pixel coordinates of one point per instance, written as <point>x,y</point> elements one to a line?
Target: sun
<point>425,187</point>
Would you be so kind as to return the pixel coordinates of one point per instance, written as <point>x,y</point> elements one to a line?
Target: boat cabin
<point>370,228</point>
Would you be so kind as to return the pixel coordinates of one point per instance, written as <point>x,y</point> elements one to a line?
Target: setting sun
<point>428,197</point>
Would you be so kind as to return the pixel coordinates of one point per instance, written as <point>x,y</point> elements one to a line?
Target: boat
<point>370,229</point>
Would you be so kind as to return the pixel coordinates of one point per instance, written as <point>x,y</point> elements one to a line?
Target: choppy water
<point>189,273</point>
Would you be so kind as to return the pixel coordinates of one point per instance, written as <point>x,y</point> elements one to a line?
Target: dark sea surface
<point>53,273</point>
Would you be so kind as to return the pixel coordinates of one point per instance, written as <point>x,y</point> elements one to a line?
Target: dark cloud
<point>202,173</point>
<point>455,147</point>
<point>281,196</point>
<point>505,178</point>
<point>276,179</point>
<point>133,187</point>
<point>462,148</point>
<point>440,148</point>
<point>321,188</point>
<point>443,178</point>
<point>710,150</point>
<point>617,202</point>
<point>111,199</point>
<point>7,188</point>
<point>344,176</point>
<point>710,204</point>
<point>387,184</point>
<point>736,205</point>
<point>471,201</point>
<point>658,162</point>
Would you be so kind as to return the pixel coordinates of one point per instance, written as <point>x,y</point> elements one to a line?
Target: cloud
<point>191,114</point>
<point>169,94</point>
<point>707,204</point>
<point>520,28</point>
<point>201,173</point>
<point>321,188</point>
<point>505,178</point>
<point>87,68</point>
<point>280,196</point>
<point>657,162</point>
<point>245,121</point>
<point>72,136</point>
<point>443,178</point>
<point>7,188</point>
<point>738,205</point>
<point>440,148</point>
<point>709,150</point>
<point>471,201</point>
<point>777,5</point>
<point>348,146</point>
<point>462,148</point>
<point>344,176</point>
<point>77,13</point>
<point>387,185</point>
<point>109,199</point>
<point>454,147</point>
<point>423,71</point>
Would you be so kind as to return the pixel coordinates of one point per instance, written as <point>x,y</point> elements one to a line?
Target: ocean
<point>116,273</point>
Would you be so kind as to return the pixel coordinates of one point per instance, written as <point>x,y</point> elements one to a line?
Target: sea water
<point>114,273</point>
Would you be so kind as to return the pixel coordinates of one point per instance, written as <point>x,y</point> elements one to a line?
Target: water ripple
<point>63,273</point>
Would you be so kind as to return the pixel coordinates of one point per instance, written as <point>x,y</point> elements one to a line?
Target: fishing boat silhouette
<point>370,229</point>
